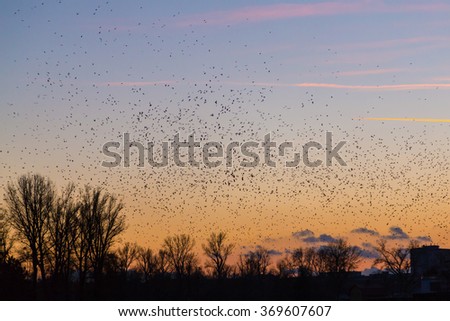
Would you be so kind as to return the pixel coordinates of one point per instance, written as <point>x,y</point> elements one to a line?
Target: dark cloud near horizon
<point>367,254</point>
<point>396,233</point>
<point>364,230</point>
<point>308,236</point>
<point>272,252</point>
<point>323,238</point>
<point>425,239</point>
<point>367,245</point>
<point>303,233</point>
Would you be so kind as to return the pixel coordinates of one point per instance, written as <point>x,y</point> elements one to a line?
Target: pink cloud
<point>290,10</point>
<point>421,86</point>
<point>398,87</point>
<point>374,87</point>
<point>272,12</point>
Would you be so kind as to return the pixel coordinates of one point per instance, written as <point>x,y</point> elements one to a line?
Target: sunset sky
<point>376,74</point>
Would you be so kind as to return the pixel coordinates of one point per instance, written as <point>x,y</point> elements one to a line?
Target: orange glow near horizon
<point>78,77</point>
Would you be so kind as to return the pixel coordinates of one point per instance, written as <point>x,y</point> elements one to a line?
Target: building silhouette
<point>430,265</point>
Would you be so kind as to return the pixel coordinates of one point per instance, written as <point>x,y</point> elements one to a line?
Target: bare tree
<point>147,263</point>
<point>339,257</point>
<point>180,255</point>
<point>30,203</point>
<point>254,263</point>
<point>306,262</point>
<point>99,223</point>
<point>103,212</point>
<point>126,255</point>
<point>217,252</point>
<point>163,264</point>
<point>111,265</point>
<point>397,261</point>
<point>285,267</point>
<point>192,267</point>
<point>84,239</point>
<point>62,233</point>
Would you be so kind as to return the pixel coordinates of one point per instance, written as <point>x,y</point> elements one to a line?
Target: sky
<point>375,74</point>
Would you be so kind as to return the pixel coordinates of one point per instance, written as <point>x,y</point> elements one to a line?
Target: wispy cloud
<point>396,87</point>
<point>423,120</point>
<point>374,87</point>
<point>291,10</point>
<point>423,86</point>
<point>272,12</point>
<point>135,83</point>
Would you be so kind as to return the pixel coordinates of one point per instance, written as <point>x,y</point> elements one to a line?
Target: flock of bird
<point>75,99</point>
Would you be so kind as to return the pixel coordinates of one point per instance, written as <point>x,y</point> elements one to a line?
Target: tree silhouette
<point>301,262</point>
<point>397,261</point>
<point>85,235</point>
<point>217,252</point>
<point>285,267</point>
<point>30,203</point>
<point>103,222</point>
<point>126,255</point>
<point>163,264</point>
<point>306,261</point>
<point>180,255</point>
<point>62,233</point>
<point>254,263</point>
<point>111,266</point>
<point>147,263</point>
<point>339,257</point>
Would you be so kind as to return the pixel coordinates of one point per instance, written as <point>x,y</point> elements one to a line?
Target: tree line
<point>69,236</point>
